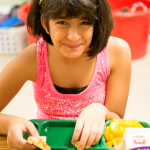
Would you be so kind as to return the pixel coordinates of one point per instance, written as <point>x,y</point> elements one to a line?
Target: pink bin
<point>133,27</point>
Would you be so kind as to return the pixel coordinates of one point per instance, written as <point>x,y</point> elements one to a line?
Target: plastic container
<point>13,40</point>
<point>59,134</point>
<point>23,12</point>
<point>132,27</point>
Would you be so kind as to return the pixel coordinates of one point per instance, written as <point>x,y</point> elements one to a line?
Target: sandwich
<point>40,143</point>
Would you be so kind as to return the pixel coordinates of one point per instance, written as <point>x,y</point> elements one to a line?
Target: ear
<point>44,22</point>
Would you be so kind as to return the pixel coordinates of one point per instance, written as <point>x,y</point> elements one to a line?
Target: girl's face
<point>71,37</point>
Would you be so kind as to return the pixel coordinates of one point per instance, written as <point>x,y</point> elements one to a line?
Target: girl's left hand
<point>90,125</point>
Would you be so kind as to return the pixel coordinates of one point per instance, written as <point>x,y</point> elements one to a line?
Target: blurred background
<point>131,18</point>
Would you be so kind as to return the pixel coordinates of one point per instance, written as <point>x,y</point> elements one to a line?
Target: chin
<point>72,56</point>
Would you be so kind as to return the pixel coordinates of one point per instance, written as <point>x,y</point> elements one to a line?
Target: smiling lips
<point>73,46</point>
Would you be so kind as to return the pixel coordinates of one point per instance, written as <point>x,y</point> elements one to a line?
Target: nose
<point>73,34</point>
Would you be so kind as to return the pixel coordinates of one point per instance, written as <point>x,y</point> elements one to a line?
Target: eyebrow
<point>66,18</point>
<point>84,18</point>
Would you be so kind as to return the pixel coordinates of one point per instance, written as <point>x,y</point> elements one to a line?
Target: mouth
<point>73,46</point>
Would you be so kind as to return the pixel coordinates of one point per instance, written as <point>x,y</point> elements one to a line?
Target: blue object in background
<point>10,22</point>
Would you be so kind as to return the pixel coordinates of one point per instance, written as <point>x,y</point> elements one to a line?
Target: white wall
<point>13,2</point>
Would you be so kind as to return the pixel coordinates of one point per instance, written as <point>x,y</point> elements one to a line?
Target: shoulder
<point>29,52</point>
<point>118,51</point>
<point>28,60</point>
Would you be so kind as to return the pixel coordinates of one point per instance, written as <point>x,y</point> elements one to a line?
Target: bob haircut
<point>98,12</point>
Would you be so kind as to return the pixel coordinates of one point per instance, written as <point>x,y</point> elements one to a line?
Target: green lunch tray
<point>59,134</point>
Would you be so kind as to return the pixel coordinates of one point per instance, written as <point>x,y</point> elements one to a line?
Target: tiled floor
<point>138,106</point>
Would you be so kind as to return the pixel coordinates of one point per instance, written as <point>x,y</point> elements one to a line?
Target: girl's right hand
<point>16,131</point>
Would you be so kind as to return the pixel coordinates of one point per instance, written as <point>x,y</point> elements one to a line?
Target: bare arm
<point>90,123</point>
<point>118,82</point>
<point>12,78</point>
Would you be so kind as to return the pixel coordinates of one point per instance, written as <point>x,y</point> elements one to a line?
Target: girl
<point>78,70</point>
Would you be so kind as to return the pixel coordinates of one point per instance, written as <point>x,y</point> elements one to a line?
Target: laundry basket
<point>133,27</point>
<point>13,40</point>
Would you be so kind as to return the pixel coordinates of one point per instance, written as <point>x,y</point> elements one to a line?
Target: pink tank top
<point>54,105</point>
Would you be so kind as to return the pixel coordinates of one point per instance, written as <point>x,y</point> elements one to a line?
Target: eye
<point>85,23</point>
<point>62,22</point>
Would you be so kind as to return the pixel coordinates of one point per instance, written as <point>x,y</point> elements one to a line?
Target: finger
<point>84,136</point>
<point>77,131</point>
<point>29,146</point>
<point>99,133</point>
<point>20,142</point>
<point>10,146</point>
<point>11,141</point>
<point>33,131</point>
<point>92,135</point>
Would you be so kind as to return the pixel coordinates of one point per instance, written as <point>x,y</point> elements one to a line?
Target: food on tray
<point>77,143</point>
<point>41,143</point>
<point>114,132</point>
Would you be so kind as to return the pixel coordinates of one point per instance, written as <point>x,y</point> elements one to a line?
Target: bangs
<point>70,9</point>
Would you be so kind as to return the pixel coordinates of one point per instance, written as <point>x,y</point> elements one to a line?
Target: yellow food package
<point>114,132</point>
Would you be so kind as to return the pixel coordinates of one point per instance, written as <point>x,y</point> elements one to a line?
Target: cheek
<point>57,35</point>
<point>89,35</point>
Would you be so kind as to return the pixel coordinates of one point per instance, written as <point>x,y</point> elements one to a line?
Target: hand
<point>90,125</point>
<point>16,131</point>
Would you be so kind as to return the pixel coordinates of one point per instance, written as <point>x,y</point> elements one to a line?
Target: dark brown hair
<point>97,11</point>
